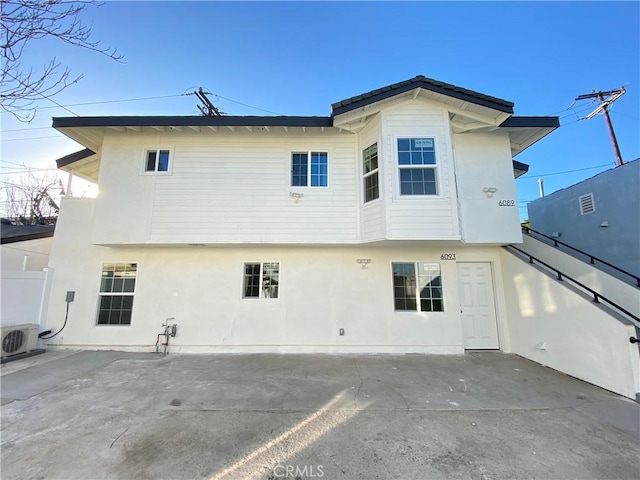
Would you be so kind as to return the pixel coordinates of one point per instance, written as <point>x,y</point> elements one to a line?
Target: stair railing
<point>592,258</point>
<point>597,297</point>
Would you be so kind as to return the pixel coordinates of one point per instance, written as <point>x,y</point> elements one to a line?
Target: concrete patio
<point>113,415</point>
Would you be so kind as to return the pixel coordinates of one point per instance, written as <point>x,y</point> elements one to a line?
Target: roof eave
<point>519,168</point>
<point>535,129</point>
<point>191,121</point>
<point>529,122</point>
<point>74,157</point>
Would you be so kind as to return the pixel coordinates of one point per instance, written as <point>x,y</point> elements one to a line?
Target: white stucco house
<point>375,229</point>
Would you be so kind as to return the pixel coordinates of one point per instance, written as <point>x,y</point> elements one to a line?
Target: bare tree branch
<point>34,199</point>
<point>24,21</point>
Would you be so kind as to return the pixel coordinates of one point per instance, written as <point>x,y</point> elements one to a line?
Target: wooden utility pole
<point>209,109</point>
<point>606,99</point>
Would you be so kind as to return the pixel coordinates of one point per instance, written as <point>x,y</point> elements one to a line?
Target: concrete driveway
<point>111,415</point>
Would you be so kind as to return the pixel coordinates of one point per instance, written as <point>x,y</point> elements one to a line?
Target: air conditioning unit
<point>19,339</point>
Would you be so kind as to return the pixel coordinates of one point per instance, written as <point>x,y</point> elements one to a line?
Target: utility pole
<point>209,109</point>
<point>606,99</point>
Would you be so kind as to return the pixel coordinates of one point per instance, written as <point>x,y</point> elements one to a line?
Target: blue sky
<point>296,58</point>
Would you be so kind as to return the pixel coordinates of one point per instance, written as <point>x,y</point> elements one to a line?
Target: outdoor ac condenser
<point>19,339</point>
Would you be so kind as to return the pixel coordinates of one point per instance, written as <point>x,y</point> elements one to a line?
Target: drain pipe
<point>541,187</point>
<point>169,331</point>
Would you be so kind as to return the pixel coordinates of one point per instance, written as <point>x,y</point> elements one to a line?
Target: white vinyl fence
<point>24,296</point>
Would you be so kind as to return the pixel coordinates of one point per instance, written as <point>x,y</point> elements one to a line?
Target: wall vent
<point>587,204</point>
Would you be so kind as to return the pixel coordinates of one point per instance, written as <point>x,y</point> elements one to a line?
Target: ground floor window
<point>117,287</point>
<point>261,280</point>
<point>417,287</point>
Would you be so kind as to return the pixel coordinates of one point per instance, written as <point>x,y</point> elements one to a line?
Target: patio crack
<point>355,397</point>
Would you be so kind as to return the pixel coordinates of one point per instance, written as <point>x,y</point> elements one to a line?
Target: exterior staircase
<point>573,312</point>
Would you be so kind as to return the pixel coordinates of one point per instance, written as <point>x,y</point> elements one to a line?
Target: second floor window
<point>417,166</point>
<point>157,161</point>
<point>309,169</point>
<point>370,173</point>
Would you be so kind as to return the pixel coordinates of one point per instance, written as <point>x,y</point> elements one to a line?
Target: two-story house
<point>375,229</point>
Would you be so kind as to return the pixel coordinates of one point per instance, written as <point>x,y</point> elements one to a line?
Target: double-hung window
<point>370,173</point>
<point>417,287</point>
<point>117,287</point>
<point>417,166</point>
<point>309,169</point>
<point>157,161</point>
<point>261,280</point>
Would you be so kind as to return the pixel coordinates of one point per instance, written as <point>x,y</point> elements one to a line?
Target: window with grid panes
<point>370,173</point>
<point>117,288</point>
<point>261,280</point>
<point>417,166</point>
<point>309,173</point>
<point>417,287</point>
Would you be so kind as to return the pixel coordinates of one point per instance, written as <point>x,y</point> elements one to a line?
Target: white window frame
<point>262,289</point>
<point>417,298</point>
<point>169,170</point>
<point>102,294</point>
<point>366,175</point>
<point>308,154</point>
<point>435,167</point>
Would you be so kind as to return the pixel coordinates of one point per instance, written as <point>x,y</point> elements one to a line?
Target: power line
<point>618,112</point>
<point>33,170</point>
<point>25,129</point>
<point>38,93</point>
<point>565,171</point>
<point>576,112</point>
<point>149,98</point>
<point>15,163</point>
<point>114,101</point>
<point>30,138</point>
<point>246,105</point>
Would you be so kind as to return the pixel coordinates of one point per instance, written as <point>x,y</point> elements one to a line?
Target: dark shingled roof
<point>421,82</point>
<point>21,233</point>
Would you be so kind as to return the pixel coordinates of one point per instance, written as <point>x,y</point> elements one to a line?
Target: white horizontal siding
<point>228,192</point>
<point>372,214</point>
<point>372,218</point>
<point>416,115</point>
<point>420,217</point>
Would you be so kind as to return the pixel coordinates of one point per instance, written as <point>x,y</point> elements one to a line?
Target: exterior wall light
<point>604,224</point>
<point>296,196</point>
<point>489,191</point>
<point>364,262</point>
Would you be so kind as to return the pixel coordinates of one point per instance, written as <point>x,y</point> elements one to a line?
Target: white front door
<point>477,306</point>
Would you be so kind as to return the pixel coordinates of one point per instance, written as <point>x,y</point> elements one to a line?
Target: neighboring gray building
<point>600,215</point>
